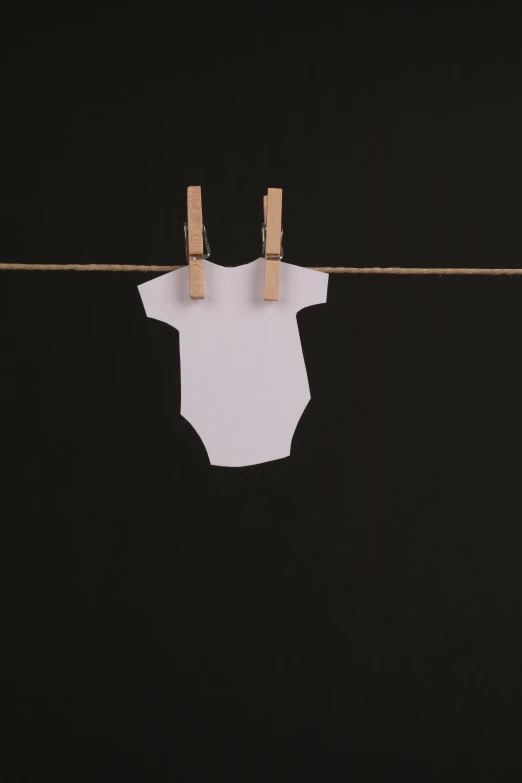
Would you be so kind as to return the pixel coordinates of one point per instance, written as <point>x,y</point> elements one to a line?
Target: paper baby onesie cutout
<point>244,384</point>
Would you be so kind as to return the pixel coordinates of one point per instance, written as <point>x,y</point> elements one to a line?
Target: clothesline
<point>332,270</point>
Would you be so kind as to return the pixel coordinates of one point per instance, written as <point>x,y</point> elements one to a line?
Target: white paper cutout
<point>244,385</point>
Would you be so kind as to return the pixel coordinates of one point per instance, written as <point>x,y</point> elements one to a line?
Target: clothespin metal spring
<point>263,243</point>
<point>205,255</point>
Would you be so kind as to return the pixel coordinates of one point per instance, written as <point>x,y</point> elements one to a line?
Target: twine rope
<point>331,270</point>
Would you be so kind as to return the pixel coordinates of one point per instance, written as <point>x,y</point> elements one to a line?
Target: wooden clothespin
<point>194,235</point>
<point>273,204</point>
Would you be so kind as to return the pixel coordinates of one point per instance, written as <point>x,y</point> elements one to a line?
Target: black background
<point>353,610</point>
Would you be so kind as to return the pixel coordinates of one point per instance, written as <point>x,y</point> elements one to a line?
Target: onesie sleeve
<point>166,297</point>
<point>304,287</point>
